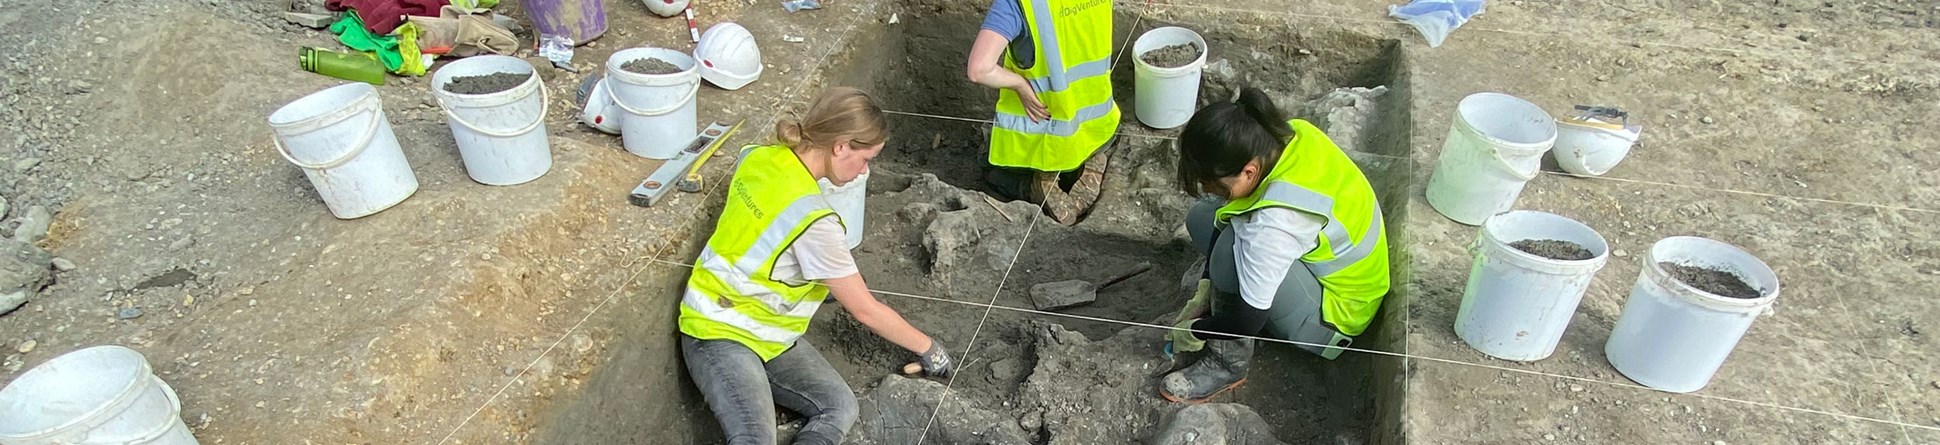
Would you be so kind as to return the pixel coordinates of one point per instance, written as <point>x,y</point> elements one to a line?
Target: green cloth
<point>350,30</point>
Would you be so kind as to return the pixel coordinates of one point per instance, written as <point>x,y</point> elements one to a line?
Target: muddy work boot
<point>1091,180</point>
<point>1063,207</point>
<point>1220,367</point>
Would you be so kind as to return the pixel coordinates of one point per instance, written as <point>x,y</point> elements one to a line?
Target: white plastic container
<point>660,116</point>
<point>1167,97</point>
<point>847,200</point>
<point>1591,146</point>
<point>501,136</point>
<point>1674,337</point>
<point>1517,304</point>
<point>96,396</point>
<point>1494,147</point>
<point>341,140</point>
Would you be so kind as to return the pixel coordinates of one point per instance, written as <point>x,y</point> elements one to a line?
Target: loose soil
<point>1554,249</point>
<point>1172,56</point>
<point>486,83</point>
<point>650,66</point>
<point>1718,282</point>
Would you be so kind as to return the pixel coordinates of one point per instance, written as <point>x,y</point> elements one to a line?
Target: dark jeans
<point>743,391</point>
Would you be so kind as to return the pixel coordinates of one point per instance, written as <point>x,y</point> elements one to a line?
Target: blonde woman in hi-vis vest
<point>776,254</point>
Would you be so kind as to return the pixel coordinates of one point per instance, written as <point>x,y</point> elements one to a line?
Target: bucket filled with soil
<point>1169,61</point>
<point>1693,302</point>
<point>1530,271</point>
<point>655,87</point>
<point>496,108</point>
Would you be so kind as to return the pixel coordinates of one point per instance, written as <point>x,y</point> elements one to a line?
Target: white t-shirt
<point>821,253</point>
<point>1270,240</point>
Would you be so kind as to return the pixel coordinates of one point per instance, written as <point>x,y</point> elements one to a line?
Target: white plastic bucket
<point>1674,337</point>
<point>847,199</point>
<point>1518,304</point>
<point>1592,147</point>
<point>1167,96</point>
<point>501,136</point>
<point>96,396</point>
<point>341,140</point>
<point>1495,146</point>
<point>660,108</point>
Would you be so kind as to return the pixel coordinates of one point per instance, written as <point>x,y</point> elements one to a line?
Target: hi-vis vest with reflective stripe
<point>1351,260</point>
<point>731,294</point>
<point>1072,76</point>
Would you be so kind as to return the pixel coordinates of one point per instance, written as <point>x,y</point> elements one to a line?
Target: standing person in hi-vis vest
<point>777,252</point>
<point>1295,245</point>
<point>1055,113</point>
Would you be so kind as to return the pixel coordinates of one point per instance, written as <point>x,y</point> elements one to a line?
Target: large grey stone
<point>970,242</point>
<point>33,225</point>
<point>1215,424</point>
<point>1345,114</point>
<point>24,270</point>
<point>899,408</point>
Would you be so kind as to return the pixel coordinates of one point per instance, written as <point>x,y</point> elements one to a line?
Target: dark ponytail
<point>1221,138</point>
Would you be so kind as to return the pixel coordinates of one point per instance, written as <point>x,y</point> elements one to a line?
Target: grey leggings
<point>743,391</point>
<point>1295,314</point>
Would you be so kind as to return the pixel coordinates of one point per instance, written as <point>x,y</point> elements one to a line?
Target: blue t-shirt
<point>1007,17</point>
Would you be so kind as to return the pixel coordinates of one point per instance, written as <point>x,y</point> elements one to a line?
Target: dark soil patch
<point>1172,56</point>
<point>650,66</point>
<point>1717,282</point>
<point>1554,249</point>
<point>171,279</point>
<point>486,83</point>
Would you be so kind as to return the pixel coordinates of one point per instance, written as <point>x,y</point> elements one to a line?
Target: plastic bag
<point>1436,18</point>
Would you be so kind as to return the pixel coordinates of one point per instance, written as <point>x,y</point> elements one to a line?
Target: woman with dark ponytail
<point>1295,245</point>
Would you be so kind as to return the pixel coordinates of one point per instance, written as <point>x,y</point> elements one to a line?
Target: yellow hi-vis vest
<point>732,293</point>
<point>1072,76</point>
<point>1313,176</point>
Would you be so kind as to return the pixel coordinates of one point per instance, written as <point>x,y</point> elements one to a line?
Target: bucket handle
<point>545,104</point>
<point>363,142</point>
<point>669,109</point>
<point>174,401</point>
<point>1510,169</point>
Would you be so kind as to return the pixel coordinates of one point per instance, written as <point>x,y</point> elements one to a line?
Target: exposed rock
<point>1095,392</point>
<point>970,243</point>
<point>896,411</point>
<point>23,273</point>
<point>33,225</point>
<point>1215,423</point>
<point>1346,113</point>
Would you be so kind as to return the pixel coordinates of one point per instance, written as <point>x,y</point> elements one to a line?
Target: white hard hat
<point>596,105</point>
<point>728,56</point>
<point>665,8</point>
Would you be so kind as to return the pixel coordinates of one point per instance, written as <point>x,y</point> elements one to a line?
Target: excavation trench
<point>958,263</point>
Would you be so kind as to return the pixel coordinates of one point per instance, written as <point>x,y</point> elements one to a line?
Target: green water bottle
<point>346,66</point>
